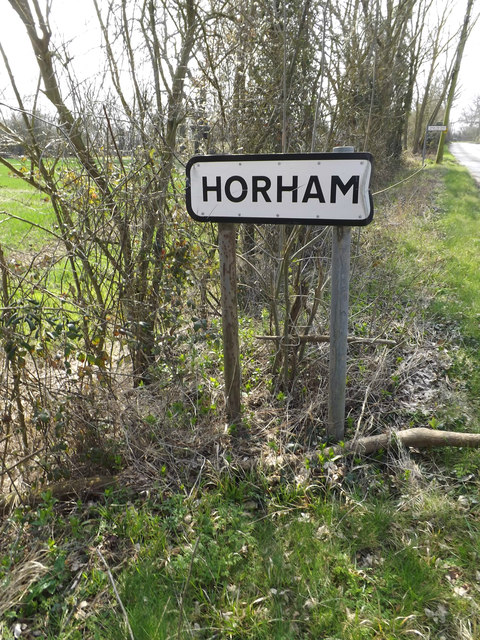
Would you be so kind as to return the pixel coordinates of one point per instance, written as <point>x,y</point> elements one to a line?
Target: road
<point>468,154</point>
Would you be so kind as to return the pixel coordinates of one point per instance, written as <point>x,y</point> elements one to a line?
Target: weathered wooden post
<point>341,242</point>
<point>227,249</point>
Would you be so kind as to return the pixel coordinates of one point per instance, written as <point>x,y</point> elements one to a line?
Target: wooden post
<point>227,249</point>
<point>341,241</point>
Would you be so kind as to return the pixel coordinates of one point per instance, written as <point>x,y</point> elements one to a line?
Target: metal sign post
<point>341,243</point>
<point>442,128</point>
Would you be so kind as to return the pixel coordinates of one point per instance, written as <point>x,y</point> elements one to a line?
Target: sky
<point>75,19</point>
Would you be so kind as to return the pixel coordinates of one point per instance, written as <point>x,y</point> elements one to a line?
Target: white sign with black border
<point>310,188</point>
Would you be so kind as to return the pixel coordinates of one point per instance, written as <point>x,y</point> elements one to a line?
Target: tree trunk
<point>453,85</point>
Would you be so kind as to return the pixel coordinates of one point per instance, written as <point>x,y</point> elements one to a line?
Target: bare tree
<point>432,88</point>
<point>454,77</point>
<point>471,121</point>
<point>128,238</point>
<point>184,76</point>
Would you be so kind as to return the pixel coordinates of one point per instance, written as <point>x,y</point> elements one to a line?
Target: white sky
<point>76,20</point>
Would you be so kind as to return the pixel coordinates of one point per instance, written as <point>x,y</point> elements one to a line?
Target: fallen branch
<point>420,438</point>
<point>321,338</point>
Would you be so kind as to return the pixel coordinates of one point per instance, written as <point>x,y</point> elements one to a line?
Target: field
<point>20,205</point>
<point>264,536</point>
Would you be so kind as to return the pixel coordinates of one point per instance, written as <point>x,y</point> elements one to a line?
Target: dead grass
<point>16,583</point>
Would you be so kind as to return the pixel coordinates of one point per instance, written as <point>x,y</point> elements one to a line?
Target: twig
<point>30,222</point>
<point>362,412</point>
<point>367,393</point>
<point>4,501</point>
<point>117,596</point>
<point>24,459</point>
<point>187,580</point>
<point>119,155</point>
<point>9,435</point>
<point>197,480</point>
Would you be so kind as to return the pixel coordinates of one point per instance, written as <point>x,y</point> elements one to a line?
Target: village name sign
<point>313,188</point>
<point>307,188</point>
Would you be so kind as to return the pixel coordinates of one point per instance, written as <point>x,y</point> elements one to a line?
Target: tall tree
<point>454,78</point>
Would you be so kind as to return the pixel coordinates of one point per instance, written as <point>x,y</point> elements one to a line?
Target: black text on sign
<point>321,188</point>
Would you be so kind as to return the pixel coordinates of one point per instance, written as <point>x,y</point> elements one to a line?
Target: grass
<point>223,564</point>
<point>26,217</point>
<point>388,550</point>
<point>454,244</point>
<point>19,199</point>
<point>459,248</point>
<point>437,258</point>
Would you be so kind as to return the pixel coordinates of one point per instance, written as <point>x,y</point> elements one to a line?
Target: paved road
<point>468,154</point>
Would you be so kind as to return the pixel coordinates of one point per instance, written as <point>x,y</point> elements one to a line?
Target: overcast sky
<point>76,21</point>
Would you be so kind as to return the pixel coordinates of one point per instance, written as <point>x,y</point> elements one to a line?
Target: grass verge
<point>245,560</point>
<point>459,245</point>
<point>379,549</point>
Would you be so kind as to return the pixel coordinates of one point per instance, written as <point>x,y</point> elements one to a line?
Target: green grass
<point>19,199</point>
<point>453,243</point>
<point>459,246</point>
<point>223,564</point>
<point>435,256</point>
<point>26,217</point>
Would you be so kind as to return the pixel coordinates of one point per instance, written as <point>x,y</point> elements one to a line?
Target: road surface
<point>468,154</point>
